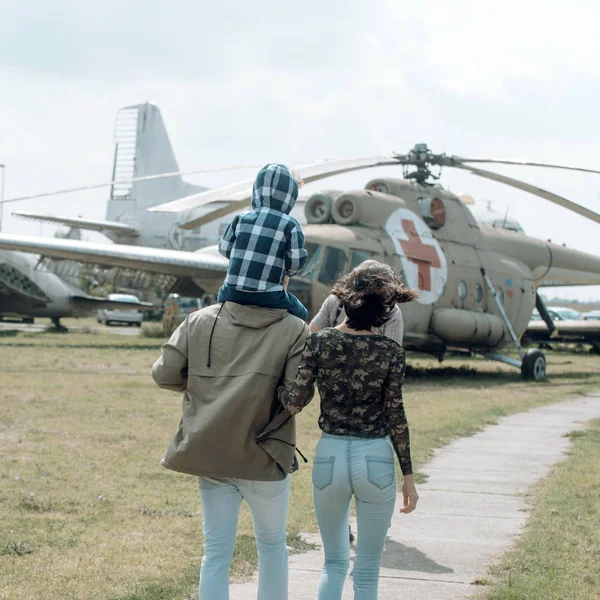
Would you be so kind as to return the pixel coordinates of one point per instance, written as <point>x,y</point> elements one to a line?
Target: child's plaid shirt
<point>265,244</point>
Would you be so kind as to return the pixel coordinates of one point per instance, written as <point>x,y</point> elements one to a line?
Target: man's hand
<point>409,495</point>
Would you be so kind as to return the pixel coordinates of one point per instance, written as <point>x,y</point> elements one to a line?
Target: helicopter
<point>147,173</point>
<point>477,282</point>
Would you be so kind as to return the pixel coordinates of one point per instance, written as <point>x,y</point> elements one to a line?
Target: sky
<point>249,82</point>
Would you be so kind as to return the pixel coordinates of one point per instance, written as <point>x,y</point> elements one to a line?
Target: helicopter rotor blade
<point>536,191</point>
<point>524,163</point>
<point>96,186</point>
<point>228,209</point>
<point>242,190</point>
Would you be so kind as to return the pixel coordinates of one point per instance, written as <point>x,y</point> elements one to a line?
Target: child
<point>265,245</point>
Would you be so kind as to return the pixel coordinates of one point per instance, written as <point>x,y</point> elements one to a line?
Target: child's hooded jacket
<point>265,244</point>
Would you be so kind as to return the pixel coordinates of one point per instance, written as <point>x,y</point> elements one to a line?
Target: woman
<point>359,375</point>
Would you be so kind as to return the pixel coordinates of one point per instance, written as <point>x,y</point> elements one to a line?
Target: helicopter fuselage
<point>430,238</point>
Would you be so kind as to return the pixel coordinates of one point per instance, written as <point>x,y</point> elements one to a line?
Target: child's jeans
<point>279,299</point>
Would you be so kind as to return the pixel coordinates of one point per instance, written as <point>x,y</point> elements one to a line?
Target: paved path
<point>470,510</point>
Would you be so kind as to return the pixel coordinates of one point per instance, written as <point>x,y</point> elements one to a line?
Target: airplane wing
<point>204,263</point>
<point>237,194</point>
<point>88,224</point>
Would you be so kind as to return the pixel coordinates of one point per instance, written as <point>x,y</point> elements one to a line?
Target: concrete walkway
<point>470,510</point>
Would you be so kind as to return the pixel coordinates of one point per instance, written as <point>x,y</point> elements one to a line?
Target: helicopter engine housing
<point>318,207</point>
<point>365,207</point>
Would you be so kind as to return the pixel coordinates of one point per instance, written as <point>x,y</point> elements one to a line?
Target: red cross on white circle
<point>423,260</point>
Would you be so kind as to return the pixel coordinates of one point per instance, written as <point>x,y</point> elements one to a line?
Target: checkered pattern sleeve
<point>326,315</point>
<point>228,239</point>
<point>394,328</point>
<point>296,255</point>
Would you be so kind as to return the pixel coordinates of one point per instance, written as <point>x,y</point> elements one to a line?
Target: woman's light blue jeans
<point>347,466</point>
<point>268,503</point>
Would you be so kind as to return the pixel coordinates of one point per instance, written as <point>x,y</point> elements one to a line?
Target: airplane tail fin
<point>142,147</point>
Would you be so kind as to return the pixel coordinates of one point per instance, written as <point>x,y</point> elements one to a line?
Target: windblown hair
<point>369,294</point>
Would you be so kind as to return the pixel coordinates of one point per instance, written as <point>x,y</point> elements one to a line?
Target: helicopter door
<point>514,289</point>
<point>465,288</point>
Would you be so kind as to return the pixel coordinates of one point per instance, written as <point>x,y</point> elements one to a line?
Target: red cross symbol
<point>424,256</point>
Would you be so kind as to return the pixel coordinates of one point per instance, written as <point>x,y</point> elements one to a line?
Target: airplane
<point>145,173</point>
<point>26,290</point>
<point>478,281</point>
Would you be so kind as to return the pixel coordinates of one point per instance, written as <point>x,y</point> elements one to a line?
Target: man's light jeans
<point>268,503</point>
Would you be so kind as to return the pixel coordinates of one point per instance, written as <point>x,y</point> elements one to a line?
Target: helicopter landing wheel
<point>533,367</point>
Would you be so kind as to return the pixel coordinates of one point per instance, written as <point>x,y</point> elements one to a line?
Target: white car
<point>560,313</point>
<point>130,316</point>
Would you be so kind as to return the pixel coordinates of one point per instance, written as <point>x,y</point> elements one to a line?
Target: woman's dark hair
<point>369,294</point>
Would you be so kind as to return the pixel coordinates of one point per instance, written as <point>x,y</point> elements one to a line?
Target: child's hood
<point>276,188</point>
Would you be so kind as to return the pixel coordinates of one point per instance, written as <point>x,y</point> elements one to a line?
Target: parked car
<point>560,313</point>
<point>177,308</point>
<point>180,307</point>
<point>593,315</point>
<point>130,316</point>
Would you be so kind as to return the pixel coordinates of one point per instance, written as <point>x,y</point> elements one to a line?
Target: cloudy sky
<point>246,82</point>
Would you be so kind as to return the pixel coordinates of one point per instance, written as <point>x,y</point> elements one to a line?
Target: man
<point>228,360</point>
<point>332,314</point>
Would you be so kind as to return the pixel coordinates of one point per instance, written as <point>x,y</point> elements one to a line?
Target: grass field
<point>558,556</point>
<point>87,512</point>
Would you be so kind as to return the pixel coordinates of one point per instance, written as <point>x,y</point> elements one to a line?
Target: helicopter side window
<point>357,257</point>
<point>311,266</point>
<point>333,265</point>
<point>478,293</point>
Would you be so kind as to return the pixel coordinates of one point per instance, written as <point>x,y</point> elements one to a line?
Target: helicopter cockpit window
<point>311,265</point>
<point>496,219</point>
<point>509,224</point>
<point>332,266</point>
<point>357,257</point>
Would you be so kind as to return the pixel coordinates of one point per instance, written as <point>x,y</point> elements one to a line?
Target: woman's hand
<point>409,494</point>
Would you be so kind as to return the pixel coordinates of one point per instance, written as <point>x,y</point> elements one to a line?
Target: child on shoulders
<point>265,245</point>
